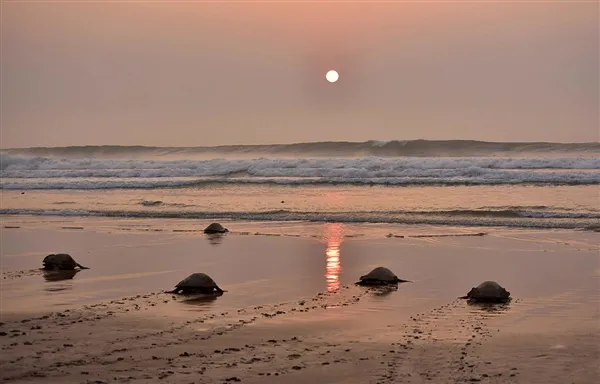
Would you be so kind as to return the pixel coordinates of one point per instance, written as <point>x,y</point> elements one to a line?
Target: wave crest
<point>327,148</point>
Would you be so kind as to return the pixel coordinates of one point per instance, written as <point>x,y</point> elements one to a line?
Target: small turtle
<point>61,262</point>
<point>215,228</point>
<point>380,276</point>
<point>488,292</point>
<point>197,283</point>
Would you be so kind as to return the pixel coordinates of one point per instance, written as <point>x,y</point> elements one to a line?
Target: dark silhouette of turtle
<point>488,292</point>
<point>197,283</point>
<point>61,262</point>
<point>380,276</point>
<point>215,228</point>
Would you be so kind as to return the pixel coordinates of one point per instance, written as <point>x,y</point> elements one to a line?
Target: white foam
<point>103,173</point>
<point>379,143</point>
<point>146,183</point>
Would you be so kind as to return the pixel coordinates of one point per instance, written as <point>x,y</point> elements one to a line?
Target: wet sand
<point>291,313</point>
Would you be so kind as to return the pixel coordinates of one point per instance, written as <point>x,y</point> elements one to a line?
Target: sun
<point>332,76</point>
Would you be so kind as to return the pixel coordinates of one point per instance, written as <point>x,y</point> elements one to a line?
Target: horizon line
<point>304,142</point>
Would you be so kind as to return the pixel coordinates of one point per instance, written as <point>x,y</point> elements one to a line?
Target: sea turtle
<point>61,262</point>
<point>215,228</point>
<point>197,283</point>
<point>380,276</point>
<point>488,292</point>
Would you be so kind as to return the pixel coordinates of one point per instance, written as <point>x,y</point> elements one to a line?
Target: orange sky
<point>76,73</point>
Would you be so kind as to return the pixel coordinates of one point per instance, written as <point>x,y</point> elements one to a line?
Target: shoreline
<point>296,228</point>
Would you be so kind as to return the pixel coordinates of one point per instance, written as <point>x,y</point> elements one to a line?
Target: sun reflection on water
<point>334,235</point>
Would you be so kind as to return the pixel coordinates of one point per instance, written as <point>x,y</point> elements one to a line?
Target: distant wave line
<point>86,184</point>
<point>26,166</point>
<point>566,220</point>
<point>327,148</point>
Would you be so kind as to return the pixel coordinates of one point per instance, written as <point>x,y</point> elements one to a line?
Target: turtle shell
<point>381,274</point>
<point>215,228</point>
<point>197,280</point>
<point>488,291</point>
<point>60,261</point>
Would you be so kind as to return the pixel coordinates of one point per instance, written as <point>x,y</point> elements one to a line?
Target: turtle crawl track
<point>429,346</point>
<point>54,361</point>
<point>424,345</point>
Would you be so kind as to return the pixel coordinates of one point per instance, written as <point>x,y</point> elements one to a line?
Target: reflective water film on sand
<point>334,235</point>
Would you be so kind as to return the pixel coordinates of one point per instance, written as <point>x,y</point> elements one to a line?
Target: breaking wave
<point>31,172</point>
<point>30,166</point>
<point>515,179</point>
<point>328,149</point>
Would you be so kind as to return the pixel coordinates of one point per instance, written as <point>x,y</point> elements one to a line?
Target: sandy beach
<point>291,312</point>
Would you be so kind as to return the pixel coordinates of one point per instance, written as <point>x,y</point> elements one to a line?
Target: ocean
<point>442,183</point>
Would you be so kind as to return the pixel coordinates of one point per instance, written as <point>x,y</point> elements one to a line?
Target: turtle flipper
<point>81,266</point>
<point>176,290</point>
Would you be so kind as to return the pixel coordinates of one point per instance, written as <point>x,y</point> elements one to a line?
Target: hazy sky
<point>194,73</point>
